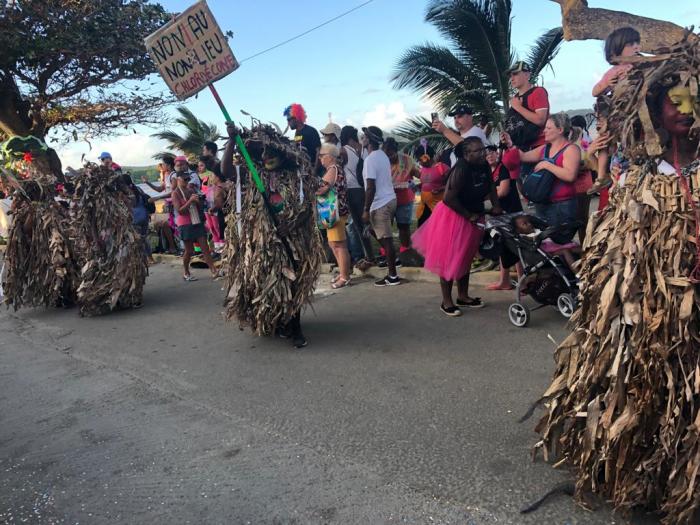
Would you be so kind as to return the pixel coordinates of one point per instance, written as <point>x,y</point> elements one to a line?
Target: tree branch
<point>581,22</point>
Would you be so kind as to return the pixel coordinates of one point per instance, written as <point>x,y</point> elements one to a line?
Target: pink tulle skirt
<point>448,242</point>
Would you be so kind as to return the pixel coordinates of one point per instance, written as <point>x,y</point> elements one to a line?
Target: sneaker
<point>383,264</point>
<point>451,311</point>
<point>388,281</point>
<point>299,341</point>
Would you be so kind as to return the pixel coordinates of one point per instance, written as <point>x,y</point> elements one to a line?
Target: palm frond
<point>195,133</point>
<point>436,72</point>
<point>414,129</point>
<point>480,32</point>
<point>544,50</point>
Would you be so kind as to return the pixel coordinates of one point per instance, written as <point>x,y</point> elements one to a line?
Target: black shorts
<point>192,232</point>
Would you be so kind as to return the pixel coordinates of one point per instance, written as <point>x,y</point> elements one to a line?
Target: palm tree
<point>196,133</point>
<point>474,68</point>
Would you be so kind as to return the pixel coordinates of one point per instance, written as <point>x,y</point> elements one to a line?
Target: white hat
<point>332,129</point>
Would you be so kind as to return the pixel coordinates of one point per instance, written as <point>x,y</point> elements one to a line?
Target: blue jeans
<point>556,214</point>
<point>354,240</point>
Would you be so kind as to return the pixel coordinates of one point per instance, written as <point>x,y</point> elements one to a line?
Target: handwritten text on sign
<point>191,51</point>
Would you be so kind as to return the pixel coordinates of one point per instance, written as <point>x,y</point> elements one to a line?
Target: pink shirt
<point>562,190</point>
<point>433,177</point>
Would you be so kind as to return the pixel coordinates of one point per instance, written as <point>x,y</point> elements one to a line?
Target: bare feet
<point>499,286</point>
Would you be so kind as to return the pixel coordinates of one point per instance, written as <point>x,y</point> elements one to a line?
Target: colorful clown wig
<point>295,111</point>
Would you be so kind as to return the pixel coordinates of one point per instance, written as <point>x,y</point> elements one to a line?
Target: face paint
<point>677,111</point>
<point>682,99</point>
<point>272,163</point>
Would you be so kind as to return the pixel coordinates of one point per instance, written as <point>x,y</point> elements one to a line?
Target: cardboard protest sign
<point>191,51</point>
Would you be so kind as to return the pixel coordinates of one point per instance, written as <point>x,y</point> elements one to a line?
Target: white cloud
<point>126,150</point>
<point>385,116</point>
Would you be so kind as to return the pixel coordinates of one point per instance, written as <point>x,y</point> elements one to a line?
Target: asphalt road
<point>394,413</point>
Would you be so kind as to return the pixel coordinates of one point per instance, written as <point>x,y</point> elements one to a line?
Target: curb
<point>416,274</point>
<point>411,274</point>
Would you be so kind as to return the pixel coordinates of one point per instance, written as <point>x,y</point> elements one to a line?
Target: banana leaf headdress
<point>631,119</point>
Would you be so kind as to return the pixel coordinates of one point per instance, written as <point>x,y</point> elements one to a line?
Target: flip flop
<point>498,286</point>
<point>188,278</point>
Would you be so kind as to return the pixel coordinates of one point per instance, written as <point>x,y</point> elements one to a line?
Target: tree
<point>474,69</point>
<point>196,133</point>
<point>76,66</point>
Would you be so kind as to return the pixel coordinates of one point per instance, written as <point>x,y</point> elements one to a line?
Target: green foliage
<point>195,133</point>
<point>150,172</point>
<point>410,132</point>
<point>78,64</point>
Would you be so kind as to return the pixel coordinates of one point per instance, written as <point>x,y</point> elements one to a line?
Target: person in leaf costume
<point>273,249</point>
<point>109,249</point>
<point>40,268</point>
<point>623,409</point>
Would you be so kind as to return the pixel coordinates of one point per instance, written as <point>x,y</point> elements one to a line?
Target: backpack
<point>537,186</point>
<point>359,167</point>
<point>522,132</point>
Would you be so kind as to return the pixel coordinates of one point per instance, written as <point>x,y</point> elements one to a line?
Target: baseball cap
<point>461,109</point>
<point>181,158</point>
<point>332,129</point>
<point>374,133</point>
<point>105,155</point>
<point>518,67</point>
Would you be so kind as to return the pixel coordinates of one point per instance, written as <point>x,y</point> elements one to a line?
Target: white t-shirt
<point>378,167</point>
<point>350,169</point>
<point>474,131</point>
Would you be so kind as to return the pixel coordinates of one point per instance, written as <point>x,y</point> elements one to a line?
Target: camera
<point>433,116</point>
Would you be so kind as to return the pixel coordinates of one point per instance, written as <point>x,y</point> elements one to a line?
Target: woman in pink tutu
<point>450,238</point>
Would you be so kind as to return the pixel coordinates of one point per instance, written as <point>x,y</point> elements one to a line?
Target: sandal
<point>188,278</point>
<point>340,283</point>
<point>471,302</point>
<point>335,279</point>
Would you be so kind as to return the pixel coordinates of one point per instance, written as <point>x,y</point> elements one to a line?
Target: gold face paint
<point>272,164</point>
<point>682,99</point>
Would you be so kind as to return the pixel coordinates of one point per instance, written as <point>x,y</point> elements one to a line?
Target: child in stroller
<point>547,274</point>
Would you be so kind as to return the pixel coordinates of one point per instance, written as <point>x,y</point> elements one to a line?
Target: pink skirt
<point>448,242</point>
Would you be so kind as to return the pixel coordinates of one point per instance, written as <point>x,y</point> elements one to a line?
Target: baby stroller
<point>546,278</point>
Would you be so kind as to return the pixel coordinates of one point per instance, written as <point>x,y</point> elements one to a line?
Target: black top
<point>310,140</point>
<point>472,185</point>
<point>511,202</point>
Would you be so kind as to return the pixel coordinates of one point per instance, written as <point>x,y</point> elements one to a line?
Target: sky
<point>344,68</point>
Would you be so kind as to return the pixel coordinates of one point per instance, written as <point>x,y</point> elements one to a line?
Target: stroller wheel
<point>519,314</point>
<point>566,305</point>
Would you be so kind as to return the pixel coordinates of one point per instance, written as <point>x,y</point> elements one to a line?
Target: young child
<point>623,42</point>
<point>433,176</point>
<point>523,225</point>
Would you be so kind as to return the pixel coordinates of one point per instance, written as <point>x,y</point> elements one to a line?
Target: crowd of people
<point>434,200</point>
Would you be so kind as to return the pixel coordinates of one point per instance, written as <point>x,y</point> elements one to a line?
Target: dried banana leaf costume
<point>39,265</point>
<point>266,289</point>
<point>623,409</point>
<point>110,251</point>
